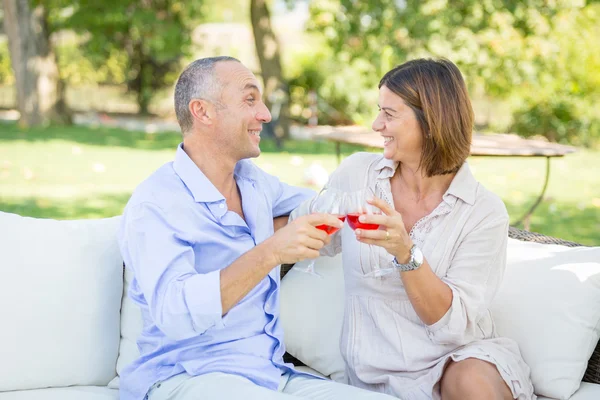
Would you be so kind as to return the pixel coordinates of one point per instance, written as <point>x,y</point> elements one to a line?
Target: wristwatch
<point>416,260</point>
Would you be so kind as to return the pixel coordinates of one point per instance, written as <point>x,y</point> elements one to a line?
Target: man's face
<point>239,120</point>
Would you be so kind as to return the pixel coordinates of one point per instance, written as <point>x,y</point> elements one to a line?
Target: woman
<point>425,331</point>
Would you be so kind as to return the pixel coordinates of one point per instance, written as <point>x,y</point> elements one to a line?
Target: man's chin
<point>253,154</point>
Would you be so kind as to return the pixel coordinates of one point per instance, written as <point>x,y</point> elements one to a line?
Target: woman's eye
<point>251,99</point>
<point>387,115</point>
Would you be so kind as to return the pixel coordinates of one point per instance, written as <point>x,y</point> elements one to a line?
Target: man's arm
<point>181,302</point>
<point>184,303</point>
<point>294,242</point>
<point>280,222</point>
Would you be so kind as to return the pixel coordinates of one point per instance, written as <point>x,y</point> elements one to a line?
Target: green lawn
<point>76,172</point>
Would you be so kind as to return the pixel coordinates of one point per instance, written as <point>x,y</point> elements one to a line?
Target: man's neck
<point>215,165</point>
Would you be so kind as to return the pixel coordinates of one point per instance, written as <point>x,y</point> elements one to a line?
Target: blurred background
<point>86,87</point>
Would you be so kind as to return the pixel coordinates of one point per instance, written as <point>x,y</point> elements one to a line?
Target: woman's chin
<point>388,154</point>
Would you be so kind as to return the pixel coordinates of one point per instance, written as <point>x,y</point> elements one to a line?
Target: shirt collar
<point>201,187</point>
<point>386,168</point>
<point>463,186</point>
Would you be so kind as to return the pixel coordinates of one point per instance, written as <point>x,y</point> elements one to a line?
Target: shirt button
<point>221,205</point>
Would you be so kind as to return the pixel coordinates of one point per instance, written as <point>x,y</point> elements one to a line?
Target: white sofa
<point>67,331</point>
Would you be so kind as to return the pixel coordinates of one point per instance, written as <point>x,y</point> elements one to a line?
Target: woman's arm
<point>429,295</point>
<point>452,305</point>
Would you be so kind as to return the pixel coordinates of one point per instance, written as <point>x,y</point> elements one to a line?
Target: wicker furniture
<point>592,374</point>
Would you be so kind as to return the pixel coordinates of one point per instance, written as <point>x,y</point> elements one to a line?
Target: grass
<point>76,172</point>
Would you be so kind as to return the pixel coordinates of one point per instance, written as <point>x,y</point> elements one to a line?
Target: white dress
<point>385,345</point>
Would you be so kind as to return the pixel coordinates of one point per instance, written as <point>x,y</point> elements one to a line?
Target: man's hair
<point>197,81</point>
<point>436,92</point>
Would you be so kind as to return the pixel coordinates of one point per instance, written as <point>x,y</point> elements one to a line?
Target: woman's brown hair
<point>436,92</point>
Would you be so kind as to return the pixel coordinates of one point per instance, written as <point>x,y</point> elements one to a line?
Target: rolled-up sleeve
<point>182,302</point>
<point>286,198</point>
<point>474,277</point>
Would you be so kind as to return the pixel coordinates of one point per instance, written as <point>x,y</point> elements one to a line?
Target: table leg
<point>525,218</point>
<point>338,152</point>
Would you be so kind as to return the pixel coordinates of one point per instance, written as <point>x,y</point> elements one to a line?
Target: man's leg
<point>317,389</point>
<point>214,386</point>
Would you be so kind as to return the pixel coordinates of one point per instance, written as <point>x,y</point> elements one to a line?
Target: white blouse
<point>386,346</point>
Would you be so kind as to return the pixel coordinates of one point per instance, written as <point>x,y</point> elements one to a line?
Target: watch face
<point>418,256</point>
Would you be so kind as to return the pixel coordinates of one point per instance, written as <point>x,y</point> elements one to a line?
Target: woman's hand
<point>391,234</point>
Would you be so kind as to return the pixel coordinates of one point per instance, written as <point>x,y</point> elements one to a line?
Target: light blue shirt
<point>176,235</point>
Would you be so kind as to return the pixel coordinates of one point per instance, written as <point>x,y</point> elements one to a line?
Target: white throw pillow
<point>312,310</point>
<point>549,302</point>
<point>131,329</point>
<point>60,297</point>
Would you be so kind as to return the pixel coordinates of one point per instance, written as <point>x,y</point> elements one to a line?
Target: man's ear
<point>202,111</point>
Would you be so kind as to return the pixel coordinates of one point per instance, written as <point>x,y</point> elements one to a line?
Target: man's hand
<point>300,239</point>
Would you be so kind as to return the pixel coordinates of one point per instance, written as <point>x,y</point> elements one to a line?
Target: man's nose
<point>263,114</point>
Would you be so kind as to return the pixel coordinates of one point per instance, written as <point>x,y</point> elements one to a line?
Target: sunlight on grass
<point>76,172</point>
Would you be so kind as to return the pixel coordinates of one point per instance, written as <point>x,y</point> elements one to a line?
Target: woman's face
<point>398,125</point>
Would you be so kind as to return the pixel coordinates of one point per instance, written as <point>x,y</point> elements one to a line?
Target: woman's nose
<point>377,125</point>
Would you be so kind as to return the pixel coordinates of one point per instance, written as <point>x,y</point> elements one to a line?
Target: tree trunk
<point>267,50</point>
<point>40,92</point>
<point>138,81</point>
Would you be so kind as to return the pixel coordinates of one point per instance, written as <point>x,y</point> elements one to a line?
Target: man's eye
<point>251,99</point>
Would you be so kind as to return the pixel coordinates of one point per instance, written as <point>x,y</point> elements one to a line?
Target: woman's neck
<point>420,187</point>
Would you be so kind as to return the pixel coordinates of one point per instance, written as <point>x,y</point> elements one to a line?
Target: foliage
<point>77,69</point>
<point>485,38</point>
<point>340,96</point>
<point>559,120</point>
<point>6,73</point>
<point>508,50</point>
<point>561,104</point>
<point>151,36</point>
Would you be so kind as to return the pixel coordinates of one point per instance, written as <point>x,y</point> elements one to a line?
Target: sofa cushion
<point>587,391</point>
<point>549,302</point>
<point>312,310</point>
<point>70,393</point>
<point>131,328</point>
<point>60,288</point>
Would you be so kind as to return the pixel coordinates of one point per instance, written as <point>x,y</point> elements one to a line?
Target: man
<point>198,235</point>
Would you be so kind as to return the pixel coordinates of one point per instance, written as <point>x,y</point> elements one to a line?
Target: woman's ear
<point>202,111</point>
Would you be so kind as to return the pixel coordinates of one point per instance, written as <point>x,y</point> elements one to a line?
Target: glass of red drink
<point>328,201</point>
<point>356,205</point>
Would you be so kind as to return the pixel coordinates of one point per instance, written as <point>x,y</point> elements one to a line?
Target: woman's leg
<point>473,379</point>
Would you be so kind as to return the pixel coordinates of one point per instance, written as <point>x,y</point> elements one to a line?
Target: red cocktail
<point>354,223</point>
<point>330,230</point>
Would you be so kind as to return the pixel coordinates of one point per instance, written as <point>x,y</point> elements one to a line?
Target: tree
<point>508,50</point>
<point>267,50</point>
<point>497,44</point>
<point>155,35</point>
<point>40,92</point>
